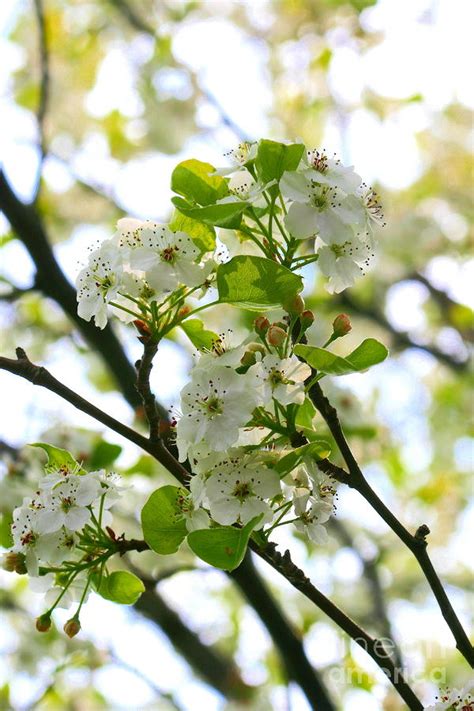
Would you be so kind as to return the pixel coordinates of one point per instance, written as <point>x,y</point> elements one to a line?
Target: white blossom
<point>238,489</point>
<point>238,157</point>
<point>320,209</point>
<point>214,405</point>
<point>343,263</point>
<point>311,513</point>
<point>330,171</point>
<point>282,379</point>
<point>455,700</point>
<point>167,258</point>
<point>98,283</point>
<point>66,504</point>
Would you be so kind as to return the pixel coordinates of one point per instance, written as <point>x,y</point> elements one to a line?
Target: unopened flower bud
<point>341,325</point>
<point>306,319</point>
<point>14,563</point>
<point>184,311</point>
<point>249,358</point>
<point>72,627</point>
<point>142,328</point>
<point>276,335</point>
<point>261,325</point>
<point>295,305</point>
<point>43,622</point>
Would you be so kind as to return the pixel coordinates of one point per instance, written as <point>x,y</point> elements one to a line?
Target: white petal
<point>76,518</point>
<point>301,220</point>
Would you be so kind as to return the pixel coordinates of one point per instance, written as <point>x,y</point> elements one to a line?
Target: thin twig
<point>144,366</point>
<point>416,543</point>
<point>38,375</point>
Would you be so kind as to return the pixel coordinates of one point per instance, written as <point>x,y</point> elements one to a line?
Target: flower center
<point>318,161</point>
<point>276,377</point>
<point>242,490</point>
<point>212,406</point>
<point>67,503</point>
<point>28,539</point>
<point>169,254</point>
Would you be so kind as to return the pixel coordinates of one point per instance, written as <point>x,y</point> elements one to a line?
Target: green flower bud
<point>276,335</point>
<point>43,622</point>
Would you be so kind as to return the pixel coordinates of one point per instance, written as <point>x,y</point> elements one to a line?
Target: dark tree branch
<point>374,647</point>
<point>283,564</point>
<point>285,638</point>
<point>400,338</point>
<point>144,366</point>
<point>38,375</point>
<point>446,304</point>
<point>417,543</point>
<point>44,87</point>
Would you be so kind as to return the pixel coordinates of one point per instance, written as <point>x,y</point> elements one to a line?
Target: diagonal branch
<point>38,375</point>
<point>23,367</point>
<point>417,543</point>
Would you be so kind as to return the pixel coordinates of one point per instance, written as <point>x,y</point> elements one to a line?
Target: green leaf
<point>6,538</point>
<point>164,528</point>
<point>198,335</point>
<point>59,458</point>
<point>274,158</point>
<point>224,546</point>
<point>256,283</point>
<point>121,586</point>
<point>319,449</point>
<point>305,414</point>
<point>203,236</point>
<point>370,352</point>
<point>194,180</point>
<point>104,454</point>
<point>227,214</point>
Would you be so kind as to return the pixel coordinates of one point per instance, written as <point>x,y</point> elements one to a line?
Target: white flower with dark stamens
<point>214,405</point>
<point>321,210</point>
<point>66,504</point>
<point>328,171</point>
<point>224,351</point>
<point>311,513</point>
<point>455,700</point>
<point>26,535</point>
<point>167,258</point>
<point>239,487</point>
<point>281,379</point>
<point>98,283</point>
<point>343,263</point>
<point>195,517</point>
<point>243,188</point>
<point>238,157</point>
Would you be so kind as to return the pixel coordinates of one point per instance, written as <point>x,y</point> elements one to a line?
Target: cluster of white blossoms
<point>234,399</point>
<point>140,264</point>
<point>48,529</point>
<point>330,202</point>
<point>455,700</point>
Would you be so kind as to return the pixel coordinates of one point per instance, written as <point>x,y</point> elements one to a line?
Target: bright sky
<point>426,49</point>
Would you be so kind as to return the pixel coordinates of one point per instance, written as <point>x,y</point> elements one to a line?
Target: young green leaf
<point>164,528</point>
<point>224,546</point>
<point>274,158</point>
<point>198,335</point>
<point>226,214</point>
<point>203,236</point>
<point>121,586</point>
<point>256,283</point>
<point>370,352</point>
<point>319,449</point>
<point>195,181</point>
<point>103,455</point>
<point>59,458</point>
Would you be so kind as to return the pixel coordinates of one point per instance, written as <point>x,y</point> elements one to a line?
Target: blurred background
<point>99,99</point>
